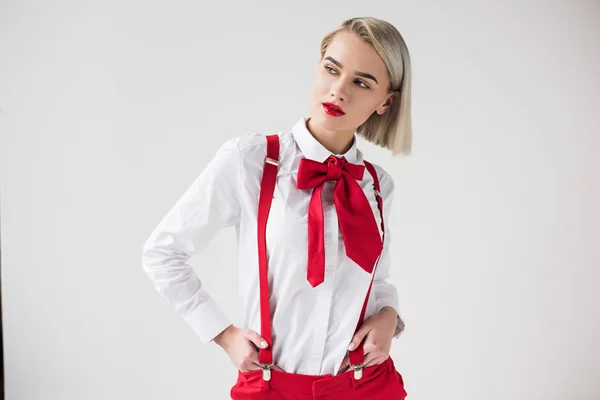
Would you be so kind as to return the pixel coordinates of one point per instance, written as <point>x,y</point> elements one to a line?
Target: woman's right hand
<point>241,345</point>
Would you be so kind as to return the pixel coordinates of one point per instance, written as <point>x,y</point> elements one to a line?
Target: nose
<point>338,90</point>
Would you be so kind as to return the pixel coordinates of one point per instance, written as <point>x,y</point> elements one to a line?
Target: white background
<point>111,109</point>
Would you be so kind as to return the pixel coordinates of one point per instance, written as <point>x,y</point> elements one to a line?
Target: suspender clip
<point>271,161</point>
<point>266,371</point>
<point>376,191</point>
<point>357,370</point>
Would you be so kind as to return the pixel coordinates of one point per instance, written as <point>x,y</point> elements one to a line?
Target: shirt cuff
<point>399,321</point>
<point>207,320</point>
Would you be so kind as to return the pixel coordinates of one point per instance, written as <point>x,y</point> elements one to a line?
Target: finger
<point>358,337</point>
<point>374,353</point>
<point>250,363</point>
<point>255,338</point>
<point>345,364</point>
<point>376,360</point>
<point>369,346</point>
<point>255,366</point>
<point>249,360</point>
<point>342,370</point>
<point>369,359</point>
<point>250,367</point>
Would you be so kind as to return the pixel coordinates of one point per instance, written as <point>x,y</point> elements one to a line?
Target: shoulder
<point>253,146</point>
<point>248,152</point>
<point>253,142</point>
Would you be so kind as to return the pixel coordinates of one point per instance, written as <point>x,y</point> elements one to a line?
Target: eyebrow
<point>363,74</point>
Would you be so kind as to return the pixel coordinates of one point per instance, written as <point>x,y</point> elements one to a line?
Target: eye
<point>328,68</point>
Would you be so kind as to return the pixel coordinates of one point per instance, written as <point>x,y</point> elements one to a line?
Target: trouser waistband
<point>316,384</point>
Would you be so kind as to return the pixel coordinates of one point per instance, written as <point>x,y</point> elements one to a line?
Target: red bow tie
<point>357,222</point>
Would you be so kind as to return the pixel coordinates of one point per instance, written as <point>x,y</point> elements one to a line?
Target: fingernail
<point>263,344</point>
<point>351,347</point>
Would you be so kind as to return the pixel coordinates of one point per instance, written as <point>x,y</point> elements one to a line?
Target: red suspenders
<point>267,187</point>
<point>265,356</point>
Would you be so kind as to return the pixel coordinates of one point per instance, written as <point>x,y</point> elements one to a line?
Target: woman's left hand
<point>378,331</point>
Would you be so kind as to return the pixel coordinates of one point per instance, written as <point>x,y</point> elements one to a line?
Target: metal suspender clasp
<point>271,161</point>
<point>357,370</point>
<point>266,371</point>
<point>376,191</point>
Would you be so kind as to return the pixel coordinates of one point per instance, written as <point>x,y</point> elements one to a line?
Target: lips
<point>334,107</point>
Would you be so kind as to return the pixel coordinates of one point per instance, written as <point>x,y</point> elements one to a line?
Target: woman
<point>311,217</point>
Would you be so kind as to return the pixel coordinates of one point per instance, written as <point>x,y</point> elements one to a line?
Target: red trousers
<point>379,382</point>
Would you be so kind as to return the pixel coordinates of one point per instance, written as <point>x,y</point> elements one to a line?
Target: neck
<point>335,141</point>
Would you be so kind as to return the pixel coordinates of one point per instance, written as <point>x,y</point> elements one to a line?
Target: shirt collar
<point>311,148</point>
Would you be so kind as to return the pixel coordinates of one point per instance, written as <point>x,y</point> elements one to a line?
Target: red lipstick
<point>333,109</point>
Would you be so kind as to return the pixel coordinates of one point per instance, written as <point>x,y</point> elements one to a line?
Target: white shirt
<point>311,327</point>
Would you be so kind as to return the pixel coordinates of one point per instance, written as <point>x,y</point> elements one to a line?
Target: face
<point>352,76</point>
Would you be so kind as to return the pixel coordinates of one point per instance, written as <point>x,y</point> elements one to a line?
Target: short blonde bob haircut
<point>392,130</point>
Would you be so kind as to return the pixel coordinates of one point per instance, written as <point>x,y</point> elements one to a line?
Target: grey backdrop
<point>111,109</point>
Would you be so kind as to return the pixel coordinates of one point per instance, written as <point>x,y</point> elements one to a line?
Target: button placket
<point>331,257</point>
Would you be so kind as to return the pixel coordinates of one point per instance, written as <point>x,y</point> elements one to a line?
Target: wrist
<point>389,310</point>
<point>222,338</point>
<point>393,315</point>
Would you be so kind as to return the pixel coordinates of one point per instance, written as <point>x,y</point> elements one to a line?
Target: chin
<point>326,121</point>
<point>322,122</point>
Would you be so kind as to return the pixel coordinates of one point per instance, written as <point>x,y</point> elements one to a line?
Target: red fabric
<point>264,204</point>
<point>381,381</point>
<point>357,356</point>
<point>357,222</point>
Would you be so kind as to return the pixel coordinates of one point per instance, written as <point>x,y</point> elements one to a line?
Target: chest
<point>287,223</point>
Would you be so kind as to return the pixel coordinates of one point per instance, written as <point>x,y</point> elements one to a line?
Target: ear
<point>390,100</point>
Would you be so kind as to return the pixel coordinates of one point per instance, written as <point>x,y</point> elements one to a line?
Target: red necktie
<point>357,222</point>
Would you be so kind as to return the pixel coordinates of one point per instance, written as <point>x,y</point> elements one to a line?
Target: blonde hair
<point>393,129</point>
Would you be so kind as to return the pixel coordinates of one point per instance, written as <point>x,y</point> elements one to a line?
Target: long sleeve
<point>386,294</point>
<point>209,204</point>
